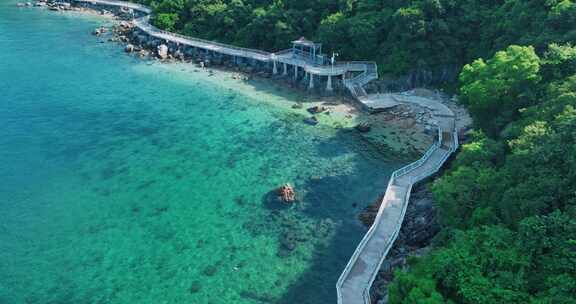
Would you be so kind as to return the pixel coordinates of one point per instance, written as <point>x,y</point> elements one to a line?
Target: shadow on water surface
<point>325,218</point>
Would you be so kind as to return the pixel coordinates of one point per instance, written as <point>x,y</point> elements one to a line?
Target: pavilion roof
<point>305,42</point>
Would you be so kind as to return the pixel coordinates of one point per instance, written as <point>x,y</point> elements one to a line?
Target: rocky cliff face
<point>424,77</point>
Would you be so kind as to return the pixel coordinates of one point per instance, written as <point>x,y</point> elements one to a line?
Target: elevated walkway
<point>367,69</point>
<point>353,286</point>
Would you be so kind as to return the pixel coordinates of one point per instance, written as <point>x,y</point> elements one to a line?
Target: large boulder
<point>179,55</point>
<point>311,121</point>
<point>162,51</point>
<point>143,53</point>
<point>316,109</point>
<point>363,127</point>
<point>129,48</point>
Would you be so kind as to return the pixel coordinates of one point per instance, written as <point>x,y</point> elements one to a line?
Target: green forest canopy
<point>508,202</point>
<point>400,35</point>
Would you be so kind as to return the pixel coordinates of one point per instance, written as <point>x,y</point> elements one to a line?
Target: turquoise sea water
<point>125,182</point>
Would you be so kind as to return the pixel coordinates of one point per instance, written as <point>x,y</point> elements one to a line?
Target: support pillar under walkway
<point>295,72</point>
<point>311,85</point>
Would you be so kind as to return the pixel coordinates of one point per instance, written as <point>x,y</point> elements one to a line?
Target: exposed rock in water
<point>143,53</point>
<point>297,106</point>
<point>286,193</point>
<point>99,31</point>
<point>363,127</point>
<point>162,51</point>
<point>179,55</point>
<point>311,121</point>
<point>368,215</point>
<point>316,109</point>
<point>125,25</point>
<point>129,48</point>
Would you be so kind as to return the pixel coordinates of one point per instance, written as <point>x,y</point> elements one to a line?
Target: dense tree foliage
<point>495,90</point>
<point>400,35</point>
<point>508,204</point>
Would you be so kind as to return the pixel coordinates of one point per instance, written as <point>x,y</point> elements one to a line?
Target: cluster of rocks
<point>172,51</point>
<point>240,76</point>
<point>363,127</point>
<point>52,5</point>
<point>146,46</point>
<point>316,109</point>
<point>296,232</point>
<point>313,120</point>
<point>411,116</point>
<point>99,31</point>
<point>418,229</point>
<point>294,229</point>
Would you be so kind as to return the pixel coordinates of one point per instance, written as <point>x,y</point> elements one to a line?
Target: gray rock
<point>311,121</point>
<point>162,51</point>
<point>129,48</point>
<point>143,53</point>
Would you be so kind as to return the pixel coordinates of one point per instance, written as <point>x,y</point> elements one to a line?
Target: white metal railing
<point>396,174</point>
<point>144,24</point>
<point>369,68</point>
<point>368,235</point>
<point>366,292</point>
<point>130,5</point>
<point>406,169</point>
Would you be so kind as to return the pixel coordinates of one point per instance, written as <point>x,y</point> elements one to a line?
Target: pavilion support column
<point>329,84</point>
<point>311,85</point>
<point>285,69</point>
<point>274,70</point>
<point>295,72</point>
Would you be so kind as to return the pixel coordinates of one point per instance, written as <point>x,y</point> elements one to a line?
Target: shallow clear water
<point>126,182</point>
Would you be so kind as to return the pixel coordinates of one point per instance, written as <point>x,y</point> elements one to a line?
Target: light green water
<point>128,182</point>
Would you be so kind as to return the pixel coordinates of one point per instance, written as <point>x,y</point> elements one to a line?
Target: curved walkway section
<point>367,69</point>
<point>128,5</point>
<point>353,286</point>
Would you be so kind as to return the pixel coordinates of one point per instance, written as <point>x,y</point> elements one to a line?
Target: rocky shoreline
<point>403,130</point>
